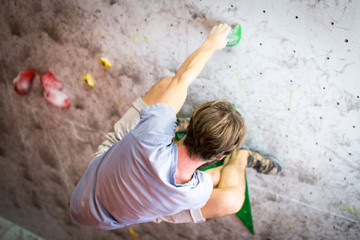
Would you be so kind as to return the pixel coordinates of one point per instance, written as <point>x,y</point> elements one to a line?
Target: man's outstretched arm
<point>173,90</point>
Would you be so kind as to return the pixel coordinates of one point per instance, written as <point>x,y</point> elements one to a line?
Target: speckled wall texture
<point>294,77</point>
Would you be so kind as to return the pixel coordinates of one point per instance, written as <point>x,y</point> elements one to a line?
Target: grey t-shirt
<point>133,182</point>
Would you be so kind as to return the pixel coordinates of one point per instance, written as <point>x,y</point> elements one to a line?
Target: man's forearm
<point>195,63</point>
<point>173,91</point>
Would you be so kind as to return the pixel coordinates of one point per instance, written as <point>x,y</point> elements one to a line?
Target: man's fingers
<point>226,28</point>
<point>221,29</point>
<point>218,34</point>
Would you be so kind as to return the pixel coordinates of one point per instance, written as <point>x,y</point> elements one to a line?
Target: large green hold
<point>245,212</point>
<point>234,36</point>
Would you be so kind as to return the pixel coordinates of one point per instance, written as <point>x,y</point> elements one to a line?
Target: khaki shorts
<point>124,126</point>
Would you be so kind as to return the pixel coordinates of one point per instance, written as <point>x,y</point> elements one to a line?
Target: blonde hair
<point>216,129</point>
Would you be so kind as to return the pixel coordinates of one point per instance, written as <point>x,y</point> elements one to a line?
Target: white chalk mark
<point>68,120</point>
<point>68,182</point>
<point>186,26</point>
<point>302,203</point>
<point>341,71</point>
<point>84,126</point>
<point>12,103</point>
<point>76,135</point>
<point>10,91</point>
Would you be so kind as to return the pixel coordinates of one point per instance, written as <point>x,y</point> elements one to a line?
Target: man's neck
<point>186,165</point>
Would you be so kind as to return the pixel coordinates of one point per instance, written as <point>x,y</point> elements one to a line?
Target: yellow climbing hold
<point>89,80</point>
<point>120,101</point>
<point>105,62</point>
<point>132,233</point>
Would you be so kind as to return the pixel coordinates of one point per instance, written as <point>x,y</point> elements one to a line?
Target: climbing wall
<point>294,77</point>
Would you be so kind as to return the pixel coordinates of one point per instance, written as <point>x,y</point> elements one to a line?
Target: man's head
<point>216,129</point>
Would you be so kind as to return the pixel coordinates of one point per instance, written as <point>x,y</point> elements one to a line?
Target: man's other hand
<point>217,36</point>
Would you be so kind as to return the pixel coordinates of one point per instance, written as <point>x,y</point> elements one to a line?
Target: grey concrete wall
<point>294,77</point>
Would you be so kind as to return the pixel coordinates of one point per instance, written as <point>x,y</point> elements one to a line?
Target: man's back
<point>133,182</point>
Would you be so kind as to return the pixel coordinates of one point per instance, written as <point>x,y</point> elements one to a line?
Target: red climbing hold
<point>57,98</point>
<point>50,82</point>
<point>52,90</point>
<point>23,81</point>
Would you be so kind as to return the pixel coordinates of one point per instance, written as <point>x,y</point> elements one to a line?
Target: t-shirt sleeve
<point>157,124</point>
<point>204,189</point>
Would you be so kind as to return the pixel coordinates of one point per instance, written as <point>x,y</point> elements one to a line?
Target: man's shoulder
<point>158,107</point>
<point>157,124</point>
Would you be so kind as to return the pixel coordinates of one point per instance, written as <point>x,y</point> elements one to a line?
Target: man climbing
<point>139,175</point>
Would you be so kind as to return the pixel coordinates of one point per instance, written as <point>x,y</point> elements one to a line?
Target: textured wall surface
<point>294,77</point>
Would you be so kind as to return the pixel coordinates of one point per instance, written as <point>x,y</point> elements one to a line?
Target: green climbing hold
<point>245,212</point>
<point>234,36</point>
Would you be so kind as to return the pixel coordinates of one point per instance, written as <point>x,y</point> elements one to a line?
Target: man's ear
<point>219,158</point>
